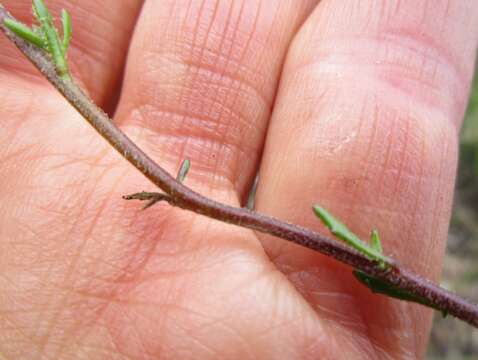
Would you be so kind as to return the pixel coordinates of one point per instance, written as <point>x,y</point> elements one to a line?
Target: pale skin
<point>355,105</point>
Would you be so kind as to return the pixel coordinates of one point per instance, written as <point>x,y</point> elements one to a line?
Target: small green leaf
<point>341,231</point>
<point>382,287</point>
<point>54,46</point>
<point>375,241</point>
<point>24,32</point>
<point>183,170</point>
<point>40,11</point>
<point>56,51</point>
<point>66,22</point>
<point>336,227</point>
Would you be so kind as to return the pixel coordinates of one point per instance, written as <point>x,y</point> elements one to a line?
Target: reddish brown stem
<point>179,195</point>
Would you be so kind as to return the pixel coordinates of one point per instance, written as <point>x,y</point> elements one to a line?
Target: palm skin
<point>355,105</point>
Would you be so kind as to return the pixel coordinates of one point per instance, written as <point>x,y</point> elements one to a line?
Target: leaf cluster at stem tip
<point>45,36</point>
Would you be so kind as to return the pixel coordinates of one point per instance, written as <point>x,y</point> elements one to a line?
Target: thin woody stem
<point>181,196</point>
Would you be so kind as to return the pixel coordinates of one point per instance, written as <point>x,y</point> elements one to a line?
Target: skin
<point>356,105</point>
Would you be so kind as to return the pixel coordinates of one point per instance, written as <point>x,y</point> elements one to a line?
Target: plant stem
<point>179,195</point>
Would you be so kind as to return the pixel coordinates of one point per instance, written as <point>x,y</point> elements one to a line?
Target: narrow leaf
<point>40,11</point>
<point>343,233</point>
<point>384,288</point>
<point>53,43</point>
<point>375,241</point>
<point>183,170</point>
<point>24,32</point>
<point>66,22</point>
<point>56,50</point>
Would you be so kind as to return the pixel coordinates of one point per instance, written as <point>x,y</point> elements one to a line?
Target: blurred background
<point>452,339</point>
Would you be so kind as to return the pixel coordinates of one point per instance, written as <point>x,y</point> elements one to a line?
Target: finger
<point>101,33</point>
<point>366,125</point>
<point>200,82</point>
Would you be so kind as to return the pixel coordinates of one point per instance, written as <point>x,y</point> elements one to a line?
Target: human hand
<point>365,114</point>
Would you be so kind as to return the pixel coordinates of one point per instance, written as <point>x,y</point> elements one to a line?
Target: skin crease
<point>355,105</point>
